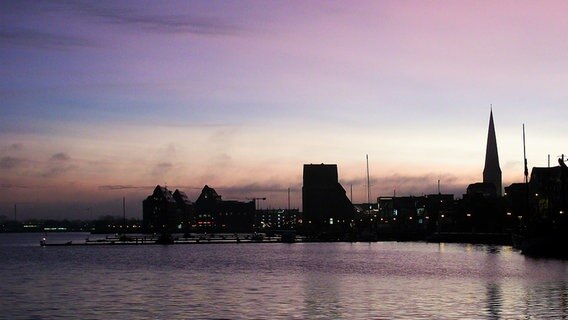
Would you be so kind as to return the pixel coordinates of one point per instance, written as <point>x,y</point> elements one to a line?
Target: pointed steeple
<point>492,171</point>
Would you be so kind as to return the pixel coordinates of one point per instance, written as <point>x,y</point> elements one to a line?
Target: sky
<point>101,100</point>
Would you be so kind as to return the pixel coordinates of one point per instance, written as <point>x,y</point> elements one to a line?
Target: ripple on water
<point>278,281</point>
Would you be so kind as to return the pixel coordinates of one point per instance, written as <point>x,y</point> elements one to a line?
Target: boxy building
<point>326,208</point>
<point>164,211</point>
<point>215,214</point>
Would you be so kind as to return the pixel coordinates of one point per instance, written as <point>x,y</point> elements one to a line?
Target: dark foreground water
<point>384,280</point>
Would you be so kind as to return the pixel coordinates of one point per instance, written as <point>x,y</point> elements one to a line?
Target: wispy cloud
<point>18,34</point>
<point>170,23</point>
<point>161,169</point>
<point>14,186</point>
<point>59,164</point>
<point>9,163</point>
<point>56,171</point>
<point>410,184</point>
<point>15,147</point>
<point>41,39</point>
<point>200,125</point>
<point>240,190</point>
<point>123,187</point>
<point>60,156</point>
<point>255,188</point>
<point>112,187</point>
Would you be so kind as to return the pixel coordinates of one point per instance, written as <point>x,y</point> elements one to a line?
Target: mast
<point>526,173</point>
<point>288,199</point>
<point>563,183</point>
<point>124,215</point>
<point>368,182</point>
<point>525,157</point>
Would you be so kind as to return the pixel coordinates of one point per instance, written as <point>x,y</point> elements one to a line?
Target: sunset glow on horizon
<point>106,99</point>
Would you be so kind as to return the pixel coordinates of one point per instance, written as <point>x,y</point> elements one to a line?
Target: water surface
<point>383,280</point>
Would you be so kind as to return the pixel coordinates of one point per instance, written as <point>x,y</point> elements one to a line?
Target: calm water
<point>384,280</point>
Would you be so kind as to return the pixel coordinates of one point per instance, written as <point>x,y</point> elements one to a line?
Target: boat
<point>257,237</point>
<point>165,238</point>
<point>546,244</point>
<point>288,237</point>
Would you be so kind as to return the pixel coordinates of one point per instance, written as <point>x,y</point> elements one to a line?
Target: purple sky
<point>95,95</point>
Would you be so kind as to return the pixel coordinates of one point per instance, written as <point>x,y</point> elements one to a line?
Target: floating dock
<point>186,239</point>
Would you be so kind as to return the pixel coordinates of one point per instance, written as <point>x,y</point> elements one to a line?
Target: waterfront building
<point>543,199</point>
<point>484,210</point>
<point>548,192</point>
<point>441,212</point>
<point>492,170</point>
<point>481,190</point>
<point>215,214</point>
<point>325,205</point>
<point>400,210</point>
<point>399,215</point>
<point>207,208</point>
<point>185,210</point>
<point>411,214</point>
<point>160,212</point>
<point>164,211</point>
<point>277,219</point>
<point>370,209</point>
<point>517,205</point>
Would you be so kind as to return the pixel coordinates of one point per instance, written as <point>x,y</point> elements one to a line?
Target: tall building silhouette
<point>326,207</point>
<point>492,171</point>
<point>160,212</point>
<point>215,214</point>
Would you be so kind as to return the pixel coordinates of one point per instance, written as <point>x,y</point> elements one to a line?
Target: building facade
<point>215,214</point>
<point>277,219</point>
<point>326,207</point>
<point>162,213</point>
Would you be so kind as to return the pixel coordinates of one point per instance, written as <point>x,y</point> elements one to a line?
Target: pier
<point>214,238</point>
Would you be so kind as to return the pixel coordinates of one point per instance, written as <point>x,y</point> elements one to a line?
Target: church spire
<point>492,171</point>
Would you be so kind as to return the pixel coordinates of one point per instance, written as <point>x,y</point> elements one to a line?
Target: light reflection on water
<point>384,280</point>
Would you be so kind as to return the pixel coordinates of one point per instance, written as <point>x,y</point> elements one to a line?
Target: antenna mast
<point>525,157</point>
<point>124,215</point>
<point>368,182</point>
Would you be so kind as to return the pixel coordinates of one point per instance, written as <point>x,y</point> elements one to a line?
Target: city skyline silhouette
<point>198,159</point>
<point>102,101</point>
